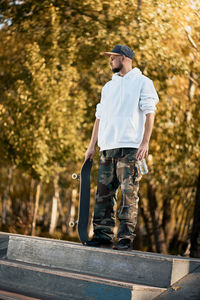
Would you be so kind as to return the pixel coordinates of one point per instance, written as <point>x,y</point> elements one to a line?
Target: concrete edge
<point>26,277</point>
<point>151,255</point>
<point>181,268</point>
<point>75,275</point>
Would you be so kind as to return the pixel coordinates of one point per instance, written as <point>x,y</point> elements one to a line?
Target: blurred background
<point>51,74</point>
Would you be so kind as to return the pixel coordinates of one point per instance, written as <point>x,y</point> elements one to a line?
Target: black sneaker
<point>95,242</point>
<point>124,244</point>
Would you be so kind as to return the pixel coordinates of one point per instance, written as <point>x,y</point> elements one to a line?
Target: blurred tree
<point>41,111</point>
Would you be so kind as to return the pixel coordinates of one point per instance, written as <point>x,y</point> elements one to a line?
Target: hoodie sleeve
<point>99,107</point>
<point>148,97</point>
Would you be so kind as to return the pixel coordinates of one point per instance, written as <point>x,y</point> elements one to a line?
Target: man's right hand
<point>91,149</point>
<point>89,153</point>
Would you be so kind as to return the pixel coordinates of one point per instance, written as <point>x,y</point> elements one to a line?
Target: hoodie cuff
<point>98,111</point>
<point>148,111</point>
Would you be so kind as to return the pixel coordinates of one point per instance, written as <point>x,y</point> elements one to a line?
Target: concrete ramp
<point>56,269</point>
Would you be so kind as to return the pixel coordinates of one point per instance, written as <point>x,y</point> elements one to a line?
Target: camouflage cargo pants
<point>117,168</point>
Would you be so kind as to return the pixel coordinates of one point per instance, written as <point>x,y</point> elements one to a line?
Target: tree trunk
<point>54,210</point>
<point>151,246</point>
<point>166,220</point>
<point>29,208</point>
<point>46,217</point>
<point>139,4</point>
<point>191,87</point>
<point>37,198</point>
<point>191,92</point>
<point>68,207</point>
<point>63,217</point>
<point>157,227</point>
<point>72,212</point>
<point>195,235</point>
<point>5,196</point>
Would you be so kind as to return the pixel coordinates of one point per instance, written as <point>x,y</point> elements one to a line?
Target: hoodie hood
<point>134,72</point>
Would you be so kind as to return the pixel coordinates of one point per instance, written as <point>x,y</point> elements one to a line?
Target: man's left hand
<point>142,151</point>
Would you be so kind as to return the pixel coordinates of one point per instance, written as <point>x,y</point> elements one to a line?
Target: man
<point>123,126</point>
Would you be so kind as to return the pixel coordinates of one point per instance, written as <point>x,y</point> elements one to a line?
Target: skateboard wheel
<point>73,223</point>
<point>75,176</point>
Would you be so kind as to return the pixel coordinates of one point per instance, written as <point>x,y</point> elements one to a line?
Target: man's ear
<point>122,58</point>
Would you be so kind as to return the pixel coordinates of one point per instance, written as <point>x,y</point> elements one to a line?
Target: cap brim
<point>111,53</point>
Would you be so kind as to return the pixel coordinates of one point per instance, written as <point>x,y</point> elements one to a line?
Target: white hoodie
<point>124,103</point>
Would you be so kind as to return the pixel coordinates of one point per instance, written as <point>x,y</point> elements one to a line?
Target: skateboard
<point>84,201</point>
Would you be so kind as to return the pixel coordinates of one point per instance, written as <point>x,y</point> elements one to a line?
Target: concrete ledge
<point>187,288</point>
<point>133,266</point>
<point>57,284</point>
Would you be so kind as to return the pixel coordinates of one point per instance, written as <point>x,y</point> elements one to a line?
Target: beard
<point>118,69</point>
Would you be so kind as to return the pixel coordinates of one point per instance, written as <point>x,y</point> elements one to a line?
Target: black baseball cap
<point>121,50</point>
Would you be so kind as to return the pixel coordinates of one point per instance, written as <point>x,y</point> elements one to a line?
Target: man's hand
<point>91,149</point>
<point>89,153</point>
<point>142,151</point>
<point>144,146</point>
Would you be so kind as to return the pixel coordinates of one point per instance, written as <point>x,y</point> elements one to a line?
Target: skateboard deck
<point>84,201</point>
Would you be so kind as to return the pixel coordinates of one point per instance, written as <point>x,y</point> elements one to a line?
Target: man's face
<point>116,63</point>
